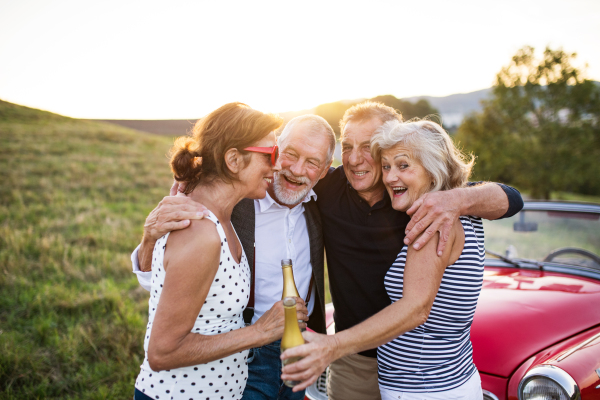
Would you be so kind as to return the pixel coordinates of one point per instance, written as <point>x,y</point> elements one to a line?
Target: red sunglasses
<point>273,151</point>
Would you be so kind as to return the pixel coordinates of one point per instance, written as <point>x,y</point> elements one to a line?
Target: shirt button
<point>369,213</point>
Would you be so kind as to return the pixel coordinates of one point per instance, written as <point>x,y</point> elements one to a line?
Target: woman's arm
<point>422,277</point>
<point>187,283</point>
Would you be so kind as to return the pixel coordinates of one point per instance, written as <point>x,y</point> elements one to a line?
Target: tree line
<point>333,112</point>
<point>539,130</point>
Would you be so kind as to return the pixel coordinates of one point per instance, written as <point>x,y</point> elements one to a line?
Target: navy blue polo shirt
<point>361,243</point>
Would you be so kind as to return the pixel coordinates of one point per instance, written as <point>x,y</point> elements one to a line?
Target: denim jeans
<point>264,376</point>
<point>140,396</point>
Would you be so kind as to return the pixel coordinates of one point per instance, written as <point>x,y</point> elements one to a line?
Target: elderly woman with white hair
<point>423,336</point>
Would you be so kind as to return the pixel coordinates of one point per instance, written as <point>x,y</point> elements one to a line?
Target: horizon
<point>145,60</point>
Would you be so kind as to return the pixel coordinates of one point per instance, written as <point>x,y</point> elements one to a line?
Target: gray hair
<point>315,125</point>
<point>368,110</point>
<point>429,143</point>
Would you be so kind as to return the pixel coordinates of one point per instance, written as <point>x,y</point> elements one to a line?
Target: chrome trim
<point>555,374</point>
<point>586,208</point>
<point>579,346</point>
<point>561,206</point>
<point>489,395</point>
<point>548,267</point>
<point>318,390</point>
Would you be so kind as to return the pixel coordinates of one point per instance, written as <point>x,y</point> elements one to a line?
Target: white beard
<point>287,196</point>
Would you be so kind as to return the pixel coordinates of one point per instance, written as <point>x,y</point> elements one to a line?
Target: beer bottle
<point>289,285</point>
<point>291,334</point>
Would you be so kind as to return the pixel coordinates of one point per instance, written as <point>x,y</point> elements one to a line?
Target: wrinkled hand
<point>301,313</point>
<point>433,212</point>
<point>271,323</point>
<point>171,214</point>
<point>177,188</point>
<point>317,353</point>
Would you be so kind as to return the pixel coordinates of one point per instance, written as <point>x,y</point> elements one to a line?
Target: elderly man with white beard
<point>284,225</point>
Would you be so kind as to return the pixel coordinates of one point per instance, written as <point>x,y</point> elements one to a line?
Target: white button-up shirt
<point>280,233</point>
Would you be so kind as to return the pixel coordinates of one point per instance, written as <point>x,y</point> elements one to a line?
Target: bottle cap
<point>289,302</point>
<point>285,262</point>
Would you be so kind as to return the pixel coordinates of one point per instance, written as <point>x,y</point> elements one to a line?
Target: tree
<point>420,109</point>
<point>333,113</point>
<point>540,130</point>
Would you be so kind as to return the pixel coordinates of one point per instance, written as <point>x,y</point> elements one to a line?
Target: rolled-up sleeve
<point>144,278</point>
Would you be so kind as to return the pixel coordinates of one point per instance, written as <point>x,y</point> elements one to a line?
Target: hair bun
<point>186,162</point>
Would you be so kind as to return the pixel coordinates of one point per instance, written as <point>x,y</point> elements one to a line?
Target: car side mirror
<point>525,226</point>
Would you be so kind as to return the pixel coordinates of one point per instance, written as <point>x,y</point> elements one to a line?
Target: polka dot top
<point>220,313</point>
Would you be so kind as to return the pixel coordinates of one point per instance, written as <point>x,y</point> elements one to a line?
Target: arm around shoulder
<point>490,200</point>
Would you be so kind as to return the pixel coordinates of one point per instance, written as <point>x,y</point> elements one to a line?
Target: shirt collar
<point>268,202</point>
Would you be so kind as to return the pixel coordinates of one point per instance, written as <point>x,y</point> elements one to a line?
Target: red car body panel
<point>494,384</point>
<point>522,312</point>
<point>526,315</point>
<point>579,356</point>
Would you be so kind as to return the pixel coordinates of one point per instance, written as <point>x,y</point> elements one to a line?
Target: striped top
<point>437,355</point>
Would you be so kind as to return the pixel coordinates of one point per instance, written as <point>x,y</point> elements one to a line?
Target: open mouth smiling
<point>269,180</point>
<point>360,173</point>
<point>399,190</point>
<point>293,182</point>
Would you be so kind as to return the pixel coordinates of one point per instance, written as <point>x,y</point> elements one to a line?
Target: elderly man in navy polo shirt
<point>364,234</point>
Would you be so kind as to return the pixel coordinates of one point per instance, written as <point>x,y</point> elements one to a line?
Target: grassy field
<point>74,195</point>
<point>73,198</point>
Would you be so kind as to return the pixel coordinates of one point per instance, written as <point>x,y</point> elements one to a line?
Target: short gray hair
<point>314,124</point>
<point>429,143</point>
<point>366,111</point>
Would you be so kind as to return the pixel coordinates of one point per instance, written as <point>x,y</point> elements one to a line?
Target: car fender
<point>579,356</point>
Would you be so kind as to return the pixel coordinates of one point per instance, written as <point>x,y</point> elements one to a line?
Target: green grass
<point>73,199</point>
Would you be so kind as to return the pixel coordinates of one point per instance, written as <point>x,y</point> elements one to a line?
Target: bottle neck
<point>289,285</point>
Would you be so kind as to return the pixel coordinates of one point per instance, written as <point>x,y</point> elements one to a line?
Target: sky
<point>179,59</point>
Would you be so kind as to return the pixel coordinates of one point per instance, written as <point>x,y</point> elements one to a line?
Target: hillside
<point>73,200</point>
<point>452,109</point>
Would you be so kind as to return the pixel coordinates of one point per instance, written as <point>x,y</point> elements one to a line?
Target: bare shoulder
<point>453,249</point>
<point>199,244</point>
<point>200,232</point>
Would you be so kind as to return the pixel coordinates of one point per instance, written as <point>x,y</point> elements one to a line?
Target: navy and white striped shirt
<point>437,355</point>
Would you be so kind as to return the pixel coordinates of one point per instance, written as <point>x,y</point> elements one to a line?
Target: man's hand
<point>433,212</point>
<point>171,214</point>
<point>178,187</point>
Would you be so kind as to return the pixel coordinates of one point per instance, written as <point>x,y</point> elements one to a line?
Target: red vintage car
<point>536,332</point>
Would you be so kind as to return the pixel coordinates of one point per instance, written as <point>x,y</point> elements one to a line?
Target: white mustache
<point>291,176</point>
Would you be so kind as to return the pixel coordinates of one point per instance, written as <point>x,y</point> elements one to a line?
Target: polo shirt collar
<point>386,201</point>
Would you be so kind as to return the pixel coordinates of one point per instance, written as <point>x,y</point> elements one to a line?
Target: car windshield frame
<point>493,259</point>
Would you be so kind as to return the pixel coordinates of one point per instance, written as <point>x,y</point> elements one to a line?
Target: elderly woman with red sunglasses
<point>196,344</point>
